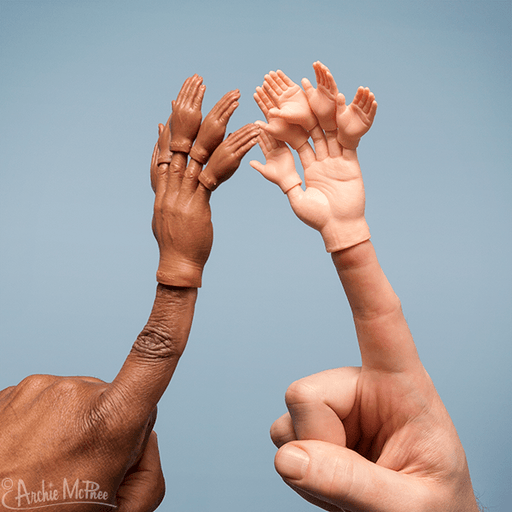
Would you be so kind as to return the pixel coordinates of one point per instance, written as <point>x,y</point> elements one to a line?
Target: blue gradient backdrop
<point>83,85</point>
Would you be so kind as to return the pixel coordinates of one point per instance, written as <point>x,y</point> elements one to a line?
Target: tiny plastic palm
<point>280,165</point>
<point>322,100</point>
<point>279,128</point>
<point>333,202</point>
<point>355,119</point>
<point>289,99</point>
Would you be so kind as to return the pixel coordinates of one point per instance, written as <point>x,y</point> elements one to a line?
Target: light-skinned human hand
<point>280,165</point>
<point>356,119</point>
<point>186,114</point>
<point>333,202</point>
<point>322,100</point>
<point>376,438</point>
<point>291,103</point>
<point>279,128</point>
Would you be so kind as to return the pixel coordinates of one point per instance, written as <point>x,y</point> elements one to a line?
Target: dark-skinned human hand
<point>73,442</point>
<point>80,444</point>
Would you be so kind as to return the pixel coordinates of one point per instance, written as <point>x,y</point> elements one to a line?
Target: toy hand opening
<point>227,157</point>
<point>322,100</point>
<point>290,100</point>
<point>213,128</point>
<point>186,114</point>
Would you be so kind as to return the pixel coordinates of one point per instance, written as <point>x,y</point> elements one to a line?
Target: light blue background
<point>83,86</point>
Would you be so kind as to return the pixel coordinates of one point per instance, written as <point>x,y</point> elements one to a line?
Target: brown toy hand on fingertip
<point>226,159</point>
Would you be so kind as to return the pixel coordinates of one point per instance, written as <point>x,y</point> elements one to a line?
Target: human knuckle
<point>300,391</point>
<point>36,382</point>
<point>156,344</point>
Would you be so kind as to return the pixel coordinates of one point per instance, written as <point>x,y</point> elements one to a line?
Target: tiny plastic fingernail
<point>292,463</point>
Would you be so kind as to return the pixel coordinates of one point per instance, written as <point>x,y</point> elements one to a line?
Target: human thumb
<point>341,477</point>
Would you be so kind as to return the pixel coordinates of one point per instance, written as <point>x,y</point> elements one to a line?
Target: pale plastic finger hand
<point>280,129</point>
<point>280,165</point>
<point>261,104</point>
<point>273,93</point>
<point>285,80</point>
<point>308,88</point>
<point>322,104</point>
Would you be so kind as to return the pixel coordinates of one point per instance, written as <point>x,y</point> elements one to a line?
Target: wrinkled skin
<point>99,434</point>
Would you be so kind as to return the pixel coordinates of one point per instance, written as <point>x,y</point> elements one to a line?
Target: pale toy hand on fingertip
<point>291,103</point>
<point>280,165</point>
<point>356,119</point>
<point>322,100</point>
<point>279,128</point>
<point>333,202</point>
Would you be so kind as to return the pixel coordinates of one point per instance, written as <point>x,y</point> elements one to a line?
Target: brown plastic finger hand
<point>213,128</point>
<point>227,157</point>
<point>154,160</point>
<point>164,144</point>
<point>186,114</point>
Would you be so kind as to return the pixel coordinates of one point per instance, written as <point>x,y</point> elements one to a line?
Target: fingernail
<point>292,463</point>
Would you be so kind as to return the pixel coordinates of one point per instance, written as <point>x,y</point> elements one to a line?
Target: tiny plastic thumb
<point>256,165</point>
<point>306,84</point>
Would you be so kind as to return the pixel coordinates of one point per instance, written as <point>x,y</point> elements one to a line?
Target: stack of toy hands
<point>371,438</point>
<point>333,202</point>
<point>181,222</point>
